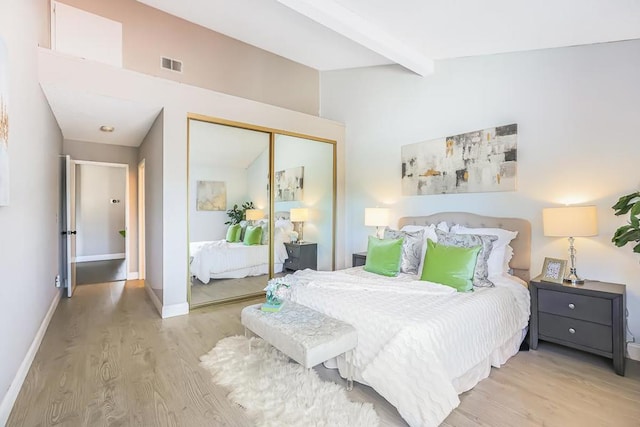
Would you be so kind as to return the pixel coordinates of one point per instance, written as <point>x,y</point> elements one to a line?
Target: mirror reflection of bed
<point>228,166</point>
<point>229,169</point>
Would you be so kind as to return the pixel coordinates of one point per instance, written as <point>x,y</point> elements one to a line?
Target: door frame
<point>125,166</point>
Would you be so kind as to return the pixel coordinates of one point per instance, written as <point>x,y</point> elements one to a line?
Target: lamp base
<point>573,278</point>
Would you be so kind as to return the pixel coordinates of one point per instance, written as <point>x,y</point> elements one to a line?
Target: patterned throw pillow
<point>468,241</point>
<point>411,248</point>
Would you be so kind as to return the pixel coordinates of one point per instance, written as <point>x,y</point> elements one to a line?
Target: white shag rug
<point>278,392</point>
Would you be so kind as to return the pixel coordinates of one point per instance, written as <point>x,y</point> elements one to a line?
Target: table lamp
<point>253,215</point>
<point>571,222</point>
<point>376,217</point>
<point>299,216</point>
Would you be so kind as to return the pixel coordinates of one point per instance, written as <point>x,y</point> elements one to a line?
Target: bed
<point>220,259</point>
<point>421,344</point>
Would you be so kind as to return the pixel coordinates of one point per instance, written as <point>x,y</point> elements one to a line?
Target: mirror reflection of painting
<point>290,185</point>
<point>211,196</point>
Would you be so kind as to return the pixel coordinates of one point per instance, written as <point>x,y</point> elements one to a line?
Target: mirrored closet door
<point>261,205</point>
<point>228,212</point>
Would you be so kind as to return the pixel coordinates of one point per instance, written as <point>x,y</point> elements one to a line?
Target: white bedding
<point>215,258</point>
<point>416,339</point>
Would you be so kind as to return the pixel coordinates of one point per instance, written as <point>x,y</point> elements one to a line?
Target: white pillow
<point>496,261</point>
<point>442,226</point>
<point>285,224</point>
<point>508,254</point>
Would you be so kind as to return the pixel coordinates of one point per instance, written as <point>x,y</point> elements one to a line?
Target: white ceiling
<point>80,115</point>
<point>215,145</point>
<point>337,34</point>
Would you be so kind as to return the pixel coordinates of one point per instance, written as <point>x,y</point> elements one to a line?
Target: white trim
<point>12,394</point>
<point>103,257</point>
<point>154,298</point>
<point>633,348</point>
<point>175,310</point>
<point>133,275</point>
<point>141,220</point>
<point>91,162</point>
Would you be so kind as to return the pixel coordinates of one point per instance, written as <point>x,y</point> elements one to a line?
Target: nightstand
<point>301,256</point>
<point>359,259</point>
<point>589,317</point>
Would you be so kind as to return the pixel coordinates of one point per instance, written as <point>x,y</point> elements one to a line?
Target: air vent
<point>171,64</point>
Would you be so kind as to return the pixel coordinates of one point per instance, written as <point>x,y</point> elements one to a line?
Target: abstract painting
<point>4,125</point>
<point>472,162</point>
<point>211,196</point>
<point>290,184</point>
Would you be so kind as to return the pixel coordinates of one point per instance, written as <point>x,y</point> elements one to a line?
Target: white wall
<point>317,160</point>
<point>29,225</point>
<point>577,112</point>
<point>151,152</point>
<point>82,150</point>
<point>209,225</point>
<point>98,221</point>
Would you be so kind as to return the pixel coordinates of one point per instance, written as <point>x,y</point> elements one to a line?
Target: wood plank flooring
<point>107,359</point>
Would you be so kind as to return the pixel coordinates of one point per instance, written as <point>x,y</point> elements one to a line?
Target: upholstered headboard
<point>521,261</point>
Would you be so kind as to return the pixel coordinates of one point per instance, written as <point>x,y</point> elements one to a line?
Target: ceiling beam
<point>343,21</point>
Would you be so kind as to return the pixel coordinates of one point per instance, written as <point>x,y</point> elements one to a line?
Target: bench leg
<point>349,359</point>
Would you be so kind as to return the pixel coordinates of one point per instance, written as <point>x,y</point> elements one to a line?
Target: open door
<point>68,224</point>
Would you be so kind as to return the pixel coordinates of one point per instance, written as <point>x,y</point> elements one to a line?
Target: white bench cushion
<point>305,335</point>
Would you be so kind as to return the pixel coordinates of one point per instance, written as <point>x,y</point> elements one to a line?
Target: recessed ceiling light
<point>107,128</point>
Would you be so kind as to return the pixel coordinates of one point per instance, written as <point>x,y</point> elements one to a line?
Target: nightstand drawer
<point>293,251</point>
<point>575,331</point>
<point>582,307</point>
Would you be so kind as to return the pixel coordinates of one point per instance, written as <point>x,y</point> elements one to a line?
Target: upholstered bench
<point>305,335</point>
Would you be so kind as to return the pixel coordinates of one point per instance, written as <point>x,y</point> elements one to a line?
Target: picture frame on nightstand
<point>553,270</point>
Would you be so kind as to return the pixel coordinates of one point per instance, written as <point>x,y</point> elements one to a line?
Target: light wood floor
<point>224,289</point>
<point>108,359</point>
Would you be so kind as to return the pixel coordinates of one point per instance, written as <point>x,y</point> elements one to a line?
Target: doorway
<point>102,212</point>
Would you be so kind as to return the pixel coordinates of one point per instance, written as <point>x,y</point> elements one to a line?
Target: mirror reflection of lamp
<point>376,217</point>
<point>299,216</point>
<point>252,215</point>
<point>570,221</point>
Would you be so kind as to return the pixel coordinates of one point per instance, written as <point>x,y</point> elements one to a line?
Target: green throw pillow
<point>383,256</point>
<point>450,265</point>
<point>233,233</point>
<point>253,235</point>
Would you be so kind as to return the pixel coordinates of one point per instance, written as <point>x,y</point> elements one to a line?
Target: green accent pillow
<point>253,235</point>
<point>450,265</point>
<point>383,256</point>
<point>233,233</point>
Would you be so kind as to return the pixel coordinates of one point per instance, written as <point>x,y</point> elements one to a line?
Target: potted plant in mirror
<point>630,232</point>
<point>236,213</point>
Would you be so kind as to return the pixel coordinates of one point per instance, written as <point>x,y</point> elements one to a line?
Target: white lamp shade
<point>299,214</point>
<point>376,217</point>
<point>570,221</point>
<point>254,214</point>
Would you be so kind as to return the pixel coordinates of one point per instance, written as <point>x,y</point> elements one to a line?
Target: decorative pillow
<point>285,224</point>
<point>233,233</point>
<point>411,248</point>
<point>383,256</point>
<point>450,265</point>
<point>243,229</point>
<point>468,241</point>
<point>253,235</point>
<point>429,233</point>
<point>496,259</point>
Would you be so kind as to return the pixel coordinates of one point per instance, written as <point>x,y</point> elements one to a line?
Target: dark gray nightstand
<point>301,256</point>
<point>359,258</point>
<point>589,317</point>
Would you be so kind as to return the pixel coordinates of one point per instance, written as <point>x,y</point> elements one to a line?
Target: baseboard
<point>153,297</point>
<point>633,349</point>
<point>103,257</point>
<point>175,310</point>
<point>12,394</point>
<point>133,276</point>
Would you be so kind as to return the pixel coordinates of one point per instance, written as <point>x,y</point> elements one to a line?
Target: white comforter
<point>219,256</point>
<point>415,338</point>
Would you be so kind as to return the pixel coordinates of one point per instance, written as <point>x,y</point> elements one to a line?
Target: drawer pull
<point>572,331</point>
<point>572,306</point>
